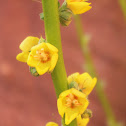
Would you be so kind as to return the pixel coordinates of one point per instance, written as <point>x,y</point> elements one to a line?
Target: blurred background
<point>29,101</point>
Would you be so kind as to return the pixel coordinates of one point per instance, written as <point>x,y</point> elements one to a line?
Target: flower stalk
<point>123,6</point>
<point>83,39</point>
<point>52,31</point>
<point>53,36</point>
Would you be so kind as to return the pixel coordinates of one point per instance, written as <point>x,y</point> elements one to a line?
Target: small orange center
<point>72,101</point>
<point>42,55</point>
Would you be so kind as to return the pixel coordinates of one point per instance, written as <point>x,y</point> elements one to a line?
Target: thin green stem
<point>91,69</point>
<point>53,36</point>
<point>123,6</point>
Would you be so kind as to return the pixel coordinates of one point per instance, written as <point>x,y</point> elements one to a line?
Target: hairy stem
<point>53,36</point>
<point>91,69</point>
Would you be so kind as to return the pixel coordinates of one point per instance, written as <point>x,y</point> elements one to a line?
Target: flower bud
<point>73,84</point>
<point>41,16</point>
<point>41,40</point>
<point>65,15</point>
<point>87,114</point>
<point>33,71</point>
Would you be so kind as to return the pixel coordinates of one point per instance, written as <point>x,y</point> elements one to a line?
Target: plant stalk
<point>53,36</point>
<point>123,7</point>
<point>83,39</point>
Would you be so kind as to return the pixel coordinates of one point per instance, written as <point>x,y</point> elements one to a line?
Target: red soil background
<point>30,101</point>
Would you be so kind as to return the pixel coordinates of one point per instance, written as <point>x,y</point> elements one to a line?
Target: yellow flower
<point>78,6</point>
<point>71,103</point>
<point>82,122</point>
<point>26,46</point>
<point>84,81</point>
<point>43,57</point>
<point>51,124</point>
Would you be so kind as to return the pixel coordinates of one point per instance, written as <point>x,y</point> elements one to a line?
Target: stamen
<point>42,55</point>
<point>71,101</point>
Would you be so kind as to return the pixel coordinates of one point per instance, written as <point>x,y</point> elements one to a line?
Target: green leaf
<point>41,16</point>
<point>33,71</point>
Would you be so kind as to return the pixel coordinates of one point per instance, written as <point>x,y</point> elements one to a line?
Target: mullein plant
<point>45,56</point>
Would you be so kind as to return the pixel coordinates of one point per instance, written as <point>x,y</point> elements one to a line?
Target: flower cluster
<point>41,55</point>
<point>73,103</point>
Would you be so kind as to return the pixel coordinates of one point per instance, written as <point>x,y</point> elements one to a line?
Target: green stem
<point>123,6</point>
<point>91,69</point>
<point>52,31</point>
<point>53,36</point>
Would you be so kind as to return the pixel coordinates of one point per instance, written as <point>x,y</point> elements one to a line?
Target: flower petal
<point>51,47</point>
<point>70,115</point>
<point>64,93</point>
<point>61,102</point>
<point>87,82</point>
<point>82,122</point>
<point>78,93</point>
<point>28,43</point>
<point>84,105</point>
<point>79,7</point>
<point>32,61</point>
<point>51,124</point>
<point>73,77</point>
<point>43,67</point>
<point>22,57</point>
<point>61,108</point>
<point>53,61</point>
<point>69,1</point>
<point>39,46</point>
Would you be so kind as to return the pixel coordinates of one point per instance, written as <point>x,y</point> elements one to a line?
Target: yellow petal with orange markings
<point>32,61</point>
<point>71,103</point>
